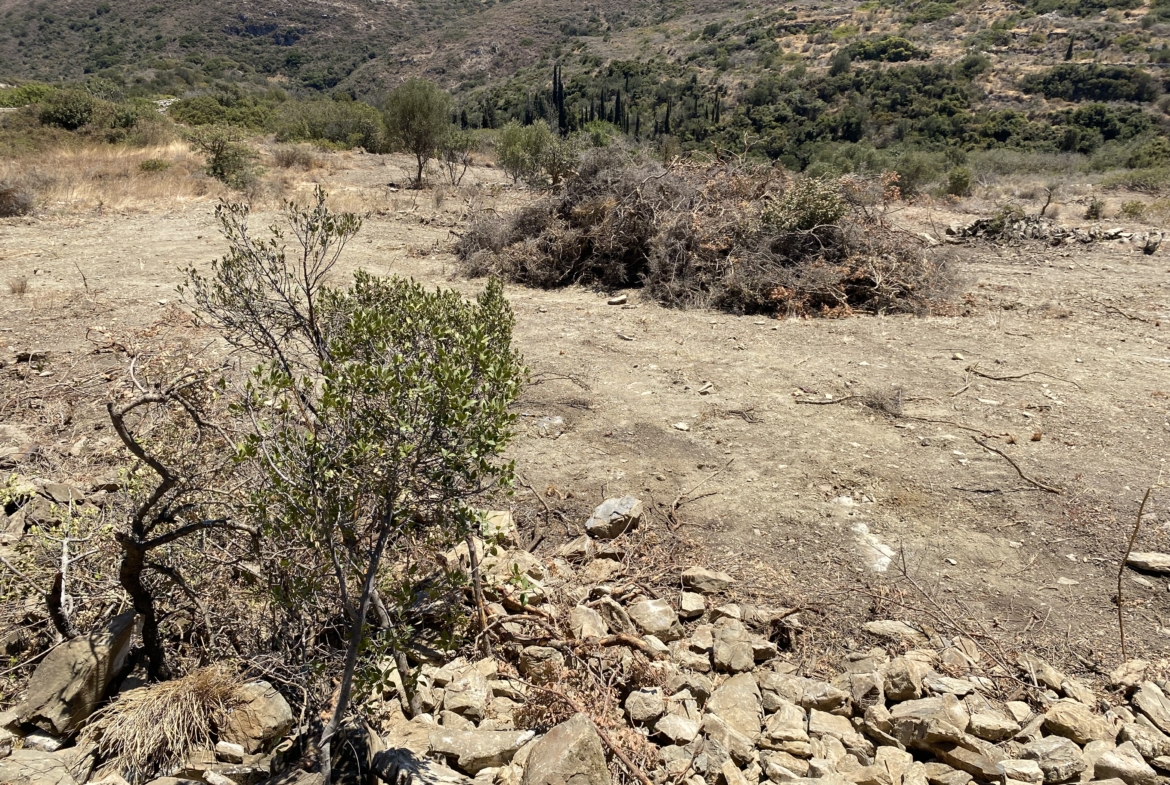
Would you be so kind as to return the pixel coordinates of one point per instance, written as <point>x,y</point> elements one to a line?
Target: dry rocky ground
<point>835,466</point>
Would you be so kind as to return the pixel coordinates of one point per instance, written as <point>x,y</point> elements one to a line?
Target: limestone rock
<point>1059,758</point>
<point>1129,674</point>
<point>645,706</point>
<point>541,663</point>
<point>903,679</point>
<point>731,774</point>
<point>691,605</point>
<point>569,754</point>
<point>587,623</point>
<point>614,517</point>
<point>737,701</point>
<point>656,617</point>
<point>992,726</point>
<point>31,767</point>
<point>1075,721</point>
<point>68,683</point>
<point>615,616</point>
<point>468,695</point>
<point>499,526</point>
<point>601,571</point>
<point>475,750</point>
<point>982,764</point>
<point>1150,561</point>
<point>706,581</point>
<point>742,748</point>
<point>1152,702</point>
<point>785,729</point>
<point>1150,742</point>
<point>262,718</point>
<point>229,753</point>
<point>942,774</point>
<point>1125,763</point>
<point>897,631</point>
<point>924,722</point>
<point>678,729</point>
<point>782,767</point>
<point>1022,771</point>
<point>391,765</point>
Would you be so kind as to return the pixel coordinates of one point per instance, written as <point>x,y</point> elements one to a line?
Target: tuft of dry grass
<point>18,286</point>
<point>148,731</point>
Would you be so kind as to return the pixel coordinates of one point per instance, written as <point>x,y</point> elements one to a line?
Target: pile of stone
<point>1032,227</point>
<point>722,706</point>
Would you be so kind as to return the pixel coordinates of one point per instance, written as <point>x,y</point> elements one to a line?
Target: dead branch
<point>1016,466</point>
<point>1121,571</point>
<point>975,370</point>
<point>827,402</point>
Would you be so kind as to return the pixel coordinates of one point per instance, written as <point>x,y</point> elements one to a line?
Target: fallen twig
<point>681,498</point>
<point>826,402</point>
<point>1120,572</point>
<point>1016,466</point>
<point>974,369</point>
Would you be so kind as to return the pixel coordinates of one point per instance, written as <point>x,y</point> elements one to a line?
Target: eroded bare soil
<point>844,505</point>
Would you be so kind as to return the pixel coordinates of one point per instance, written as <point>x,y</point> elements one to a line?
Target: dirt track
<point>806,501</point>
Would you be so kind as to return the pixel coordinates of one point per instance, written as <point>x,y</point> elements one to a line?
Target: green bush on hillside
<point>342,123</point>
<point>1093,82</point>
<point>891,49</point>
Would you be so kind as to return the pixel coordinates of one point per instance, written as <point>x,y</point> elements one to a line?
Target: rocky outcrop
<point>69,682</point>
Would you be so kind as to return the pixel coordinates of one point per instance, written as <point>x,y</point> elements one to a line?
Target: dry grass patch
<point>147,732</point>
<point>110,176</point>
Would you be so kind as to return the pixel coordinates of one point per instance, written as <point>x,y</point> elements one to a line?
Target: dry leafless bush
<point>295,156</point>
<point>738,237</point>
<point>14,201</point>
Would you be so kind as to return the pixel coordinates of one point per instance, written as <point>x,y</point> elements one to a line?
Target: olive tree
<point>418,117</point>
<point>380,409</point>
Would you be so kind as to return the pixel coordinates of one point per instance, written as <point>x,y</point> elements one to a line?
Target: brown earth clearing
<point>832,464</point>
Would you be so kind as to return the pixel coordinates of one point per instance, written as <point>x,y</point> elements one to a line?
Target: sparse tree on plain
<point>417,118</point>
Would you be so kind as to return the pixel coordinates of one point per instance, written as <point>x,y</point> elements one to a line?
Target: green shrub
<point>229,158</point>
<point>1095,210</point>
<point>890,49</point>
<point>959,181</point>
<point>23,95</point>
<point>345,124</point>
<point>1156,152</point>
<point>808,203</point>
<point>69,109</point>
<point>154,165</point>
<point>1133,209</point>
<point>1093,82</point>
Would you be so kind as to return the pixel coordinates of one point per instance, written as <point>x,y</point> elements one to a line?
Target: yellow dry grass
<point>93,177</point>
<point>149,731</point>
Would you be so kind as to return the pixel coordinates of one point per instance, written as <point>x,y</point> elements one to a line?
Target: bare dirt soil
<point>834,465</point>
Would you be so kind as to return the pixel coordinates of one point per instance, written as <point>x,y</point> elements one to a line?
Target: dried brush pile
<point>742,238</point>
<point>150,731</point>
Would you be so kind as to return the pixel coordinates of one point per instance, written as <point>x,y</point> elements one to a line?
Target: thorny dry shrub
<point>14,202</point>
<point>149,731</point>
<point>742,238</point>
